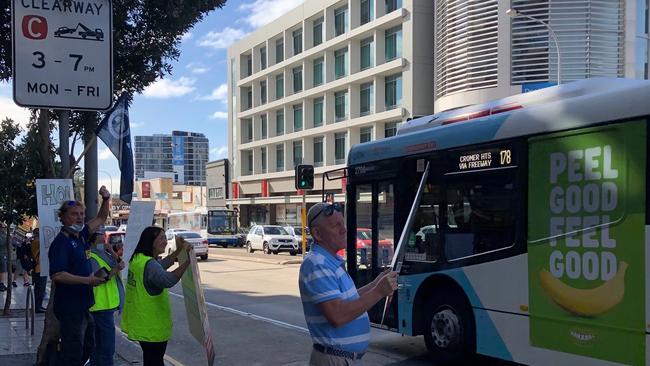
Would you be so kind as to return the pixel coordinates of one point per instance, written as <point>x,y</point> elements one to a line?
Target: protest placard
<point>50,193</point>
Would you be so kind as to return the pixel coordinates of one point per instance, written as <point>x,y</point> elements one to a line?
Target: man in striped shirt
<point>335,311</point>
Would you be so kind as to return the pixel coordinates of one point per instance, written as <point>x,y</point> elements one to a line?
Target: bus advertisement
<point>527,240</point>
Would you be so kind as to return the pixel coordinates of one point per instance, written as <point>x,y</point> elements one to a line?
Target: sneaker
<point>40,310</point>
<point>3,288</point>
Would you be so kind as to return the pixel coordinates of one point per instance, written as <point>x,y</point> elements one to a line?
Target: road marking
<point>252,316</point>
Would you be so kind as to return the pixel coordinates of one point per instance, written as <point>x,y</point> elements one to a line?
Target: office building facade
<point>309,85</point>
<point>184,154</point>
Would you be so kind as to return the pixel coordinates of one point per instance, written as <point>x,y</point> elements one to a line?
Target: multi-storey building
<point>184,154</point>
<point>309,85</point>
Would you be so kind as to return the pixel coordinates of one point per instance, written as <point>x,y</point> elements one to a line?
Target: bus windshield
<point>222,222</point>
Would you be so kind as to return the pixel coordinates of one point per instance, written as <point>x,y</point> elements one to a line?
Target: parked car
<point>241,236</point>
<point>108,228</point>
<point>364,248</point>
<point>296,231</point>
<point>271,239</point>
<point>199,244</point>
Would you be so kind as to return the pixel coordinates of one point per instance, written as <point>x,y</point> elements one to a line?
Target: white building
<point>309,85</point>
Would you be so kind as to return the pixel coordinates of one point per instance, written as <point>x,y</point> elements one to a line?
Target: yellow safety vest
<point>107,295</point>
<point>145,317</point>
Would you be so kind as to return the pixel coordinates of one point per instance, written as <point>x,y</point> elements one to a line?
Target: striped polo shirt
<point>323,278</point>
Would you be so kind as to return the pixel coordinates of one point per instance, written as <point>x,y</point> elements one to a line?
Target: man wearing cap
<point>335,310</point>
<point>71,272</point>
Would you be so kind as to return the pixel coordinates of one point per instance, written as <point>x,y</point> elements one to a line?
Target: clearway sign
<point>63,54</point>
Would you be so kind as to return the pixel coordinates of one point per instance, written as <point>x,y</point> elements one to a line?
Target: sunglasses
<point>71,203</point>
<point>327,211</point>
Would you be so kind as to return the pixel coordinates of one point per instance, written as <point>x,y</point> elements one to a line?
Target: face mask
<point>76,227</point>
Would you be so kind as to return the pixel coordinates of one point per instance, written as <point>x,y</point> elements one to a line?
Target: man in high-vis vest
<point>109,297</point>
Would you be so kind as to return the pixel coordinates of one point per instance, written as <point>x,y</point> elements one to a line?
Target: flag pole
<point>76,161</point>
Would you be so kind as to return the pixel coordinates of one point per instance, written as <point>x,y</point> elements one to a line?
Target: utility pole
<point>90,165</point>
<point>64,142</point>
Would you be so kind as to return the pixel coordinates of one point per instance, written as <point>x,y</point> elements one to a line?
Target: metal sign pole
<point>304,224</point>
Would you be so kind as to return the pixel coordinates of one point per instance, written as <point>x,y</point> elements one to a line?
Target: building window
<point>297,41</point>
<point>367,11</point>
<point>249,98</point>
<point>390,129</point>
<point>340,105</point>
<point>340,62</point>
<point>263,159</point>
<point>264,126</point>
<point>318,31</point>
<point>318,71</point>
<point>297,117</point>
<point>249,157</point>
<point>297,153</point>
<point>263,92</point>
<point>393,43</point>
<point>279,86</point>
<point>393,92</point>
<point>318,151</point>
<point>215,193</point>
<point>279,158</point>
<point>249,65</point>
<point>365,99</point>
<point>339,148</point>
<point>392,5</point>
<point>263,58</point>
<point>365,58</point>
<point>365,134</point>
<point>279,122</point>
<point>340,20</point>
<point>249,129</point>
<point>318,112</point>
<point>297,79</point>
<point>279,50</point>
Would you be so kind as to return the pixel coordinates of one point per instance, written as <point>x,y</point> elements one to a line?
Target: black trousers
<point>40,283</point>
<point>153,353</point>
<point>77,338</point>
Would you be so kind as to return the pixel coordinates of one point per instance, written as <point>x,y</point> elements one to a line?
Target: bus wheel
<point>249,247</point>
<point>449,332</point>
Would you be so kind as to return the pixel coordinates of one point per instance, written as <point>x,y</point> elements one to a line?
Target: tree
<point>17,195</point>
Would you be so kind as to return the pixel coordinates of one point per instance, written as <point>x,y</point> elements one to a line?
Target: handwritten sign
<point>140,217</point>
<point>50,193</point>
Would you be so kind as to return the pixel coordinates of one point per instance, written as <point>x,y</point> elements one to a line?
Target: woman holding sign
<point>147,311</point>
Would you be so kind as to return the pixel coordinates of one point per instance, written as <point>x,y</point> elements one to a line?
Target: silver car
<point>199,244</point>
<point>271,239</point>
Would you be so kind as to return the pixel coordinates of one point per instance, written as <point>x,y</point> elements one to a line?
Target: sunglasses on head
<point>71,203</point>
<point>327,211</point>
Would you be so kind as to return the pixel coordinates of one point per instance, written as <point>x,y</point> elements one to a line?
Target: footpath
<point>18,346</point>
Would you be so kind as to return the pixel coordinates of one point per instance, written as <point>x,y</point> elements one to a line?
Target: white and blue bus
<point>218,226</point>
<point>523,225</point>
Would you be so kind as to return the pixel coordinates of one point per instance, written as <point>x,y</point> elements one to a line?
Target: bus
<point>222,227</point>
<point>218,226</point>
<point>519,225</point>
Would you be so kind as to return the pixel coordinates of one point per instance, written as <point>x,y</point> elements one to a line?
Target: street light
<point>109,177</point>
<point>513,13</point>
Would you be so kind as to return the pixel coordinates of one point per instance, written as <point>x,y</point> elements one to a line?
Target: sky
<point>193,97</point>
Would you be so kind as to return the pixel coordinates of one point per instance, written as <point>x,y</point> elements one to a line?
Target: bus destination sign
<point>486,159</point>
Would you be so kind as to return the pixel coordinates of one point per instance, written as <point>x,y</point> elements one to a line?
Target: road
<point>256,317</point>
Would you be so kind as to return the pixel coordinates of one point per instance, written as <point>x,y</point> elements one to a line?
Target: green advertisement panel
<point>586,242</point>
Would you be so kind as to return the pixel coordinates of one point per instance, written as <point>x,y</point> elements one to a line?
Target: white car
<point>199,244</point>
<point>271,239</point>
<point>296,231</point>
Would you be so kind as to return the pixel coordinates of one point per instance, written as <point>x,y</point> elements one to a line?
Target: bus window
<point>423,240</point>
<point>480,214</point>
<point>364,234</point>
<point>385,224</point>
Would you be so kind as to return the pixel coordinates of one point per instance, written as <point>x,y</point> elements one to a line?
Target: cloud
<point>261,12</point>
<point>9,109</point>
<point>223,39</point>
<point>197,68</point>
<point>186,36</point>
<point>219,93</point>
<point>219,115</point>
<point>104,154</point>
<point>135,124</point>
<point>219,152</point>
<point>165,88</point>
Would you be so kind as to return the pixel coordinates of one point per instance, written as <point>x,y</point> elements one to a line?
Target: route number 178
<point>506,157</point>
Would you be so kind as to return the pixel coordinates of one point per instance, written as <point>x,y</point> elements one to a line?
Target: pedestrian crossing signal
<point>304,177</point>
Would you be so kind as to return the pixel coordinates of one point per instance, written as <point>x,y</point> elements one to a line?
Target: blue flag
<point>115,132</point>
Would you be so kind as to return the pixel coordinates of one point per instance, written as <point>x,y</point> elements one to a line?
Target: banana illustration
<point>585,302</point>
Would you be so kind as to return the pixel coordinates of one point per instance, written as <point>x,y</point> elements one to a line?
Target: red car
<point>364,243</point>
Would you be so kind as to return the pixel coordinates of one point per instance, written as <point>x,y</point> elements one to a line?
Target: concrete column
<point>271,159</point>
<point>329,23</point>
<point>328,148</point>
<point>380,8</point>
<point>308,113</point>
<point>354,14</point>
<point>270,52</point>
<point>288,156</point>
<point>328,61</point>
<point>257,130</point>
<point>308,150</point>
<point>328,106</point>
<point>257,160</point>
<point>307,74</point>
<point>354,101</point>
<point>288,44</point>
<point>380,46</point>
<point>353,137</point>
<point>354,56</point>
<point>380,92</point>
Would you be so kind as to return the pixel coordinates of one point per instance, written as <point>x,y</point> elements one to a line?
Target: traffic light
<point>304,177</point>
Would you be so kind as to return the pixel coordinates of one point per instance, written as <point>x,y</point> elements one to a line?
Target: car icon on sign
<point>64,30</point>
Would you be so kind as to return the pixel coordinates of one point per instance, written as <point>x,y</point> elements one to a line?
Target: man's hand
<point>95,281</point>
<point>104,193</point>
<point>387,283</point>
